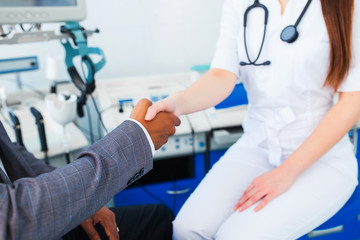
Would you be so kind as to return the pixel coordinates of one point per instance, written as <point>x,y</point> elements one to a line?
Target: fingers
<point>161,128</point>
<point>177,121</point>
<point>253,194</point>
<point>110,226</point>
<point>247,201</point>
<point>160,123</point>
<point>250,201</point>
<point>245,197</point>
<point>111,230</point>
<point>153,110</point>
<point>140,109</point>
<point>264,202</point>
<point>151,113</point>
<point>90,230</point>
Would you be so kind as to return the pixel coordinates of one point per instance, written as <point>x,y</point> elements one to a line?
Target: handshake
<point>160,128</point>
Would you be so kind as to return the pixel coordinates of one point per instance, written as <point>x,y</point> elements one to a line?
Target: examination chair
<point>345,224</point>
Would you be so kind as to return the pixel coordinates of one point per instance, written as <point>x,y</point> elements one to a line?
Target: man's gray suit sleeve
<point>38,166</point>
<point>48,206</point>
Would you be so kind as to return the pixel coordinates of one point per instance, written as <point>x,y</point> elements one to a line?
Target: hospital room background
<point>139,37</point>
<point>152,49</point>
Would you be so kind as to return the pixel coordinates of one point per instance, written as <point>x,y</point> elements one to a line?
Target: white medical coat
<point>287,99</point>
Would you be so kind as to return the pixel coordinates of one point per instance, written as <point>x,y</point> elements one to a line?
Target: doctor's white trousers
<point>317,194</point>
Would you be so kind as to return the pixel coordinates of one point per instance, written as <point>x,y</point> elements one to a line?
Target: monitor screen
<point>37,3</point>
<point>41,11</point>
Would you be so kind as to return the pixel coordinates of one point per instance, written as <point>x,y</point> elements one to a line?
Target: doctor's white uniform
<point>287,101</point>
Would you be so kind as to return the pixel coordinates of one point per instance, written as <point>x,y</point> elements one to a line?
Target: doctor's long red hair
<point>338,15</point>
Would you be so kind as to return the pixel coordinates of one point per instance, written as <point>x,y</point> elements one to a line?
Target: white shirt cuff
<point>2,167</point>
<point>147,135</point>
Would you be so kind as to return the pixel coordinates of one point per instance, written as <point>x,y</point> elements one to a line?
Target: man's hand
<point>107,219</point>
<point>160,128</point>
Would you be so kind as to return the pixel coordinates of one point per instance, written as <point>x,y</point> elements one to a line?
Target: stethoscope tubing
<point>261,47</point>
<point>289,34</point>
<point>256,4</point>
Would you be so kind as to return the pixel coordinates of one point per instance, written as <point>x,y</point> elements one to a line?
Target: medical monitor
<point>41,11</point>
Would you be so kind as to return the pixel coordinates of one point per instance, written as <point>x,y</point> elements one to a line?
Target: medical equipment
<point>69,11</point>
<point>289,34</point>
<point>55,72</point>
<point>40,123</point>
<point>16,127</point>
<point>62,108</point>
<point>79,38</point>
<point>18,65</point>
<point>37,12</point>
<point>14,65</point>
<point>34,11</point>
<point>54,131</point>
<point>14,37</point>
<point>13,118</point>
<point>79,48</point>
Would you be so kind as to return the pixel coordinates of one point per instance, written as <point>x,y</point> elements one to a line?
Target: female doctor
<point>294,167</point>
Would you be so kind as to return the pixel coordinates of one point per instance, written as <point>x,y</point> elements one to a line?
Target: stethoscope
<point>289,34</point>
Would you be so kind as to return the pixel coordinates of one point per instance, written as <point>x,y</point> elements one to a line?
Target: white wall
<point>139,37</point>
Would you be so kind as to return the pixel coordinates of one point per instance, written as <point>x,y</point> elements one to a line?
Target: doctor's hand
<point>107,219</point>
<point>160,128</point>
<point>164,105</point>
<point>265,188</point>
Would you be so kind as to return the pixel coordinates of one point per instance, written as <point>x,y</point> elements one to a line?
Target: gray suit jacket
<point>38,202</point>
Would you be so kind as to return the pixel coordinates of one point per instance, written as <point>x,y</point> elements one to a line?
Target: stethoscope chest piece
<point>289,34</point>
